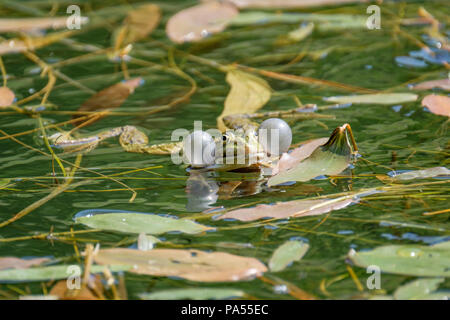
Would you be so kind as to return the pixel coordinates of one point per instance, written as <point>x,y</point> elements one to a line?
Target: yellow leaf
<point>248,94</point>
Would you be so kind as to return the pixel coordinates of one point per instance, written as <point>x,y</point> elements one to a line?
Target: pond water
<point>390,138</point>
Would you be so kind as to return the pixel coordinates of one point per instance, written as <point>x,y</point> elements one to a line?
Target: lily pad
<point>193,294</point>
<point>377,98</point>
<point>427,261</point>
<point>192,265</point>
<point>287,253</point>
<point>50,272</point>
<point>131,222</point>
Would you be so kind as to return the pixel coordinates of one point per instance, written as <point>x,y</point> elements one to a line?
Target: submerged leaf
<point>329,159</point>
<point>443,84</point>
<point>287,3</point>
<point>423,174</point>
<point>427,261</point>
<point>50,272</point>
<point>437,104</point>
<point>287,253</point>
<point>421,289</point>
<point>138,24</point>
<point>35,24</point>
<point>17,263</point>
<point>6,97</point>
<point>198,22</point>
<point>192,265</point>
<point>295,208</point>
<point>109,98</point>
<point>193,294</point>
<point>248,94</point>
<point>377,98</point>
<point>140,222</point>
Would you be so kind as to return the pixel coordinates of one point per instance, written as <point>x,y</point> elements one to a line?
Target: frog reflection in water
<point>249,148</point>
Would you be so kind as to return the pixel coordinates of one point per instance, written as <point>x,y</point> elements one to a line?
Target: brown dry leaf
<point>17,263</point>
<point>61,290</point>
<point>198,22</point>
<point>288,3</point>
<point>248,94</point>
<point>138,24</point>
<point>192,265</point>
<point>442,83</point>
<point>109,98</point>
<point>283,210</point>
<point>437,104</point>
<point>6,97</point>
<point>33,24</point>
<point>291,159</point>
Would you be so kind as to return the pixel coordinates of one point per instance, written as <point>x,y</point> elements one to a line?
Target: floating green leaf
<point>421,289</point>
<point>428,261</point>
<point>329,159</point>
<point>50,272</point>
<point>287,253</point>
<point>190,264</point>
<point>140,222</point>
<point>377,98</point>
<point>193,294</point>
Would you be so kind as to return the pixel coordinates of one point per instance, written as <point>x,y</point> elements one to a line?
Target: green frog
<point>251,143</point>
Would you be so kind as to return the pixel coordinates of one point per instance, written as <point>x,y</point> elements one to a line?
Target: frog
<point>242,137</point>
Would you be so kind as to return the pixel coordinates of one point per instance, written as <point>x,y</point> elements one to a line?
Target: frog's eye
<point>275,136</point>
<point>199,149</point>
<point>224,138</point>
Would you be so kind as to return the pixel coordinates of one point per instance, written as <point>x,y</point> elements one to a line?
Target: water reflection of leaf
<point>423,174</point>
<point>192,265</point>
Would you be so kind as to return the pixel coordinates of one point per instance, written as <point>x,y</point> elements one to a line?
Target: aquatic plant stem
<point>47,198</point>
